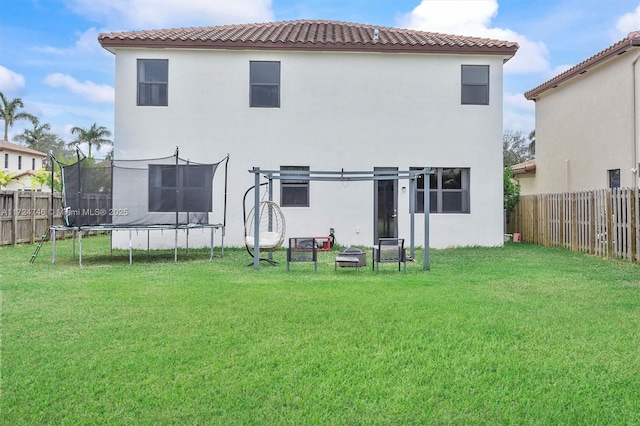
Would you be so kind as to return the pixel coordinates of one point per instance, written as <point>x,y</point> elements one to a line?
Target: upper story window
<point>295,192</point>
<point>264,80</point>
<point>153,79</point>
<point>6,161</point>
<point>448,190</point>
<point>19,162</point>
<point>33,164</point>
<point>614,178</point>
<point>475,85</point>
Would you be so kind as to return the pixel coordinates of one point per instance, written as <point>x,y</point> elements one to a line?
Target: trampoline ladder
<point>43,239</point>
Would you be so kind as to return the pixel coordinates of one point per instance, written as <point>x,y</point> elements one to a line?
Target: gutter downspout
<point>634,109</point>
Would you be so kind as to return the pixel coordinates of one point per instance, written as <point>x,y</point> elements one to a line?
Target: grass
<point>514,335</point>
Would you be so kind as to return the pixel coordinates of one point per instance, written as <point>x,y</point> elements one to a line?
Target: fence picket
<point>604,222</point>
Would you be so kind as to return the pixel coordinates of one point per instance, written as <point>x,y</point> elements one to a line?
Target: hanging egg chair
<point>271,227</point>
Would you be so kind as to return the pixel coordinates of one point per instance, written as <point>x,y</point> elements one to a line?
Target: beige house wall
<point>587,126</point>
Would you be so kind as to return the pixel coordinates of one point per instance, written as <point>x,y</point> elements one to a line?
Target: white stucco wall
<point>338,110</point>
<point>584,128</point>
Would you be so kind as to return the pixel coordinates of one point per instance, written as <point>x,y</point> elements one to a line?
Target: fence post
<point>633,224</point>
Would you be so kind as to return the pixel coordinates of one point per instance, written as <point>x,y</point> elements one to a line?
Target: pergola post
<point>256,220</point>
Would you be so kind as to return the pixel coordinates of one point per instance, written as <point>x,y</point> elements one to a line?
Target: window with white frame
<point>19,162</point>
<point>475,85</point>
<point>33,164</point>
<point>264,81</point>
<point>294,192</point>
<point>153,80</point>
<point>448,190</point>
<point>6,161</point>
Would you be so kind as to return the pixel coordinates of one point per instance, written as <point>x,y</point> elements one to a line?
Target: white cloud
<point>87,89</point>
<point>517,101</point>
<point>86,43</point>
<point>11,83</point>
<point>628,22</point>
<point>149,14</point>
<point>473,18</point>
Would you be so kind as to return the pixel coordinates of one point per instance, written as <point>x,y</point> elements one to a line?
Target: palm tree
<point>94,136</point>
<point>532,142</point>
<point>32,137</point>
<point>9,113</point>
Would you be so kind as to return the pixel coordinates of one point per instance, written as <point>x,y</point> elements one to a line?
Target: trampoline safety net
<point>159,191</point>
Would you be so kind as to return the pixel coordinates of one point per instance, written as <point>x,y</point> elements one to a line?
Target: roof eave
<point>112,44</point>
<point>580,69</point>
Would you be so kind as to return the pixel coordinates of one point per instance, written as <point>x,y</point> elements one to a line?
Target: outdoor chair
<point>303,249</point>
<point>389,250</point>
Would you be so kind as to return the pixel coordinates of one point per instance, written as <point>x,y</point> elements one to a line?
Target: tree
<point>10,113</point>
<point>42,139</point>
<point>42,178</point>
<point>515,148</point>
<point>532,142</point>
<point>94,136</point>
<point>5,178</point>
<point>511,191</point>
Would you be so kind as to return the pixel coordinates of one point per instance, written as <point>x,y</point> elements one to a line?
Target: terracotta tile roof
<point>8,146</point>
<point>631,40</point>
<point>526,167</point>
<point>308,35</point>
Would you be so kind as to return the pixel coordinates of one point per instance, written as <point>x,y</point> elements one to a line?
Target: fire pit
<point>351,257</point>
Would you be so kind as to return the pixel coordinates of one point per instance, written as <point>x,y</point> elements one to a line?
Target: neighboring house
<point>524,174</point>
<point>317,95</point>
<point>22,163</point>
<point>588,123</point>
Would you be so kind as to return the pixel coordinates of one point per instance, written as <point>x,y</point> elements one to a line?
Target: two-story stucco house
<point>20,162</point>
<point>315,95</point>
<point>588,124</point>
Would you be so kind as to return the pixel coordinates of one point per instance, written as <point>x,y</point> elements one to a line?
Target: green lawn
<point>514,335</point>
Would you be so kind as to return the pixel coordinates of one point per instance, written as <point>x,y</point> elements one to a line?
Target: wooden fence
<point>26,215</point>
<point>603,222</point>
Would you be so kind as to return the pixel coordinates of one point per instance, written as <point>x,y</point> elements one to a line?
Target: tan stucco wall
<point>585,127</point>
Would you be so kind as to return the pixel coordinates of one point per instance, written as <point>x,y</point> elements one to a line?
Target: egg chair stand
<point>271,227</point>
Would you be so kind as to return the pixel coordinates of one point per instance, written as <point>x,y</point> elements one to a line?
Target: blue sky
<point>50,56</point>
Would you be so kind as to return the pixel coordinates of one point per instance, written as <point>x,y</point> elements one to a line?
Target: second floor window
<point>33,164</point>
<point>475,85</point>
<point>6,161</point>
<point>19,162</point>
<point>264,80</point>
<point>153,79</point>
